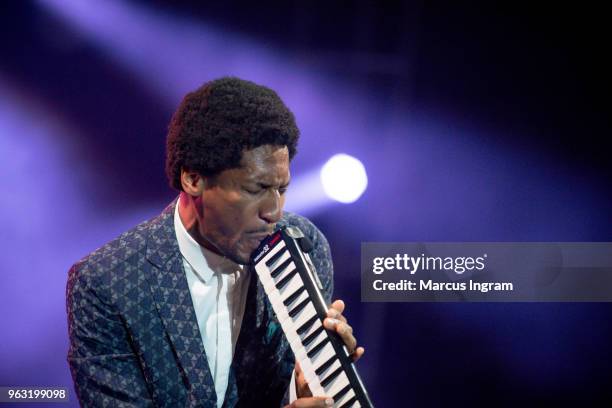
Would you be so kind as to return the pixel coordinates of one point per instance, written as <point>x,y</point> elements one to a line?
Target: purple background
<point>475,123</point>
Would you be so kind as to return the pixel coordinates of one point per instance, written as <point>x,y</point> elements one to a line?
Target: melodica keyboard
<point>294,290</point>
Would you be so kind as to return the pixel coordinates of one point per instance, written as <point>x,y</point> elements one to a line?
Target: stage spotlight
<point>344,178</point>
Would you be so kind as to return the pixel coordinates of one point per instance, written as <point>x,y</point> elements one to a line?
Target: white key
<point>288,269</point>
<point>271,285</point>
<point>309,373</point>
<point>317,323</point>
<point>278,306</point>
<point>270,254</point>
<point>302,296</point>
<point>318,377</point>
<point>300,353</point>
<point>304,315</point>
<point>301,337</point>
<point>356,405</point>
<point>335,365</point>
<point>279,261</point>
<point>283,315</point>
<point>337,384</point>
<point>349,394</point>
<point>274,298</point>
<point>307,367</point>
<point>323,355</point>
<point>286,320</point>
<point>264,276</point>
<point>320,337</point>
<point>327,371</point>
<point>291,334</point>
<point>268,285</point>
<point>316,389</point>
<point>292,286</point>
<point>268,282</point>
<point>291,337</point>
<point>270,289</point>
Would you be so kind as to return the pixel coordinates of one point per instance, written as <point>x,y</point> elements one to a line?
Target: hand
<point>335,321</point>
<point>305,398</point>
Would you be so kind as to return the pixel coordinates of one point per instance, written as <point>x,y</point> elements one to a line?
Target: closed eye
<point>262,187</point>
<point>252,190</point>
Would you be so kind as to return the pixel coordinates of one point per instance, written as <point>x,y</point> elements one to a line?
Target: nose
<point>271,209</point>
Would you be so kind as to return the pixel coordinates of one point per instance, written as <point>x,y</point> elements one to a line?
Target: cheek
<point>245,216</point>
<point>236,217</point>
<point>229,223</point>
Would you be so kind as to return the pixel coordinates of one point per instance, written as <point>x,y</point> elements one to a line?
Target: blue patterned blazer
<point>134,338</point>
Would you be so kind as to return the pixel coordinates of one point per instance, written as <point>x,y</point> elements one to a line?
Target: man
<point>170,313</point>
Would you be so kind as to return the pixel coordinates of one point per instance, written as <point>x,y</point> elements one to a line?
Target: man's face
<point>239,207</point>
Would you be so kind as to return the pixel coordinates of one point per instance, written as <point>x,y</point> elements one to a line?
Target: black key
<point>330,377</point>
<point>349,402</point>
<point>318,347</point>
<point>285,280</point>
<point>275,257</point>
<point>341,393</point>
<point>294,296</point>
<point>281,268</point>
<point>304,328</point>
<point>312,336</point>
<point>324,366</point>
<point>299,307</point>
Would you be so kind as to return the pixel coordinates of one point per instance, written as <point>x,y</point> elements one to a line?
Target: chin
<point>242,260</point>
<point>240,257</point>
<point>242,253</point>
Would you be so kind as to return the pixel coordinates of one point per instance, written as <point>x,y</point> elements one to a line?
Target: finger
<point>335,310</point>
<point>357,354</point>
<point>339,326</point>
<point>298,368</point>
<point>338,305</point>
<point>344,331</point>
<point>318,402</point>
<point>334,314</point>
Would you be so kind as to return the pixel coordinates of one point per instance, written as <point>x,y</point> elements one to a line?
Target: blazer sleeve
<point>104,368</point>
<point>322,259</point>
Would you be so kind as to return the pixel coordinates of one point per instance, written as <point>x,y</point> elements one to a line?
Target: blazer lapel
<point>175,307</point>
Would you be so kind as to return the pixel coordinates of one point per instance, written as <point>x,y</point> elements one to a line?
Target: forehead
<point>267,164</point>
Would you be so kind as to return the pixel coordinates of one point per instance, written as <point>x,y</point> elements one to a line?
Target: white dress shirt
<point>218,289</point>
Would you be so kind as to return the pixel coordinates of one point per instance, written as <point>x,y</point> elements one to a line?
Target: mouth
<point>255,238</point>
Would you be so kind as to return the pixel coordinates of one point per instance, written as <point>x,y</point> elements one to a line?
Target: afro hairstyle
<point>214,124</point>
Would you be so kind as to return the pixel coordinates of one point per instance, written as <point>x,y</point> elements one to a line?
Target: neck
<point>188,208</point>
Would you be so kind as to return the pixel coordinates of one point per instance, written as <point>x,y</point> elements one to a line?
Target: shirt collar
<point>203,261</point>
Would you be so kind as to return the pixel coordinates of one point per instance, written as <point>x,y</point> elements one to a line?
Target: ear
<point>192,182</point>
